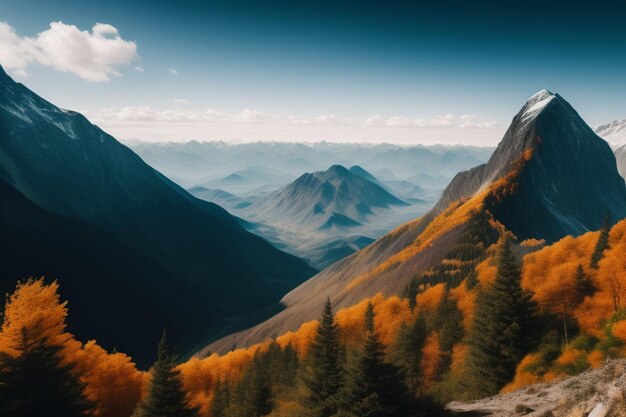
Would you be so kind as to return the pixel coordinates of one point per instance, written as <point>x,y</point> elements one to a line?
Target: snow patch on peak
<point>534,106</point>
<point>614,133</point>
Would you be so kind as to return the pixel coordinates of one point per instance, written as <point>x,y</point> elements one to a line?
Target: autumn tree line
<point>498,323</point>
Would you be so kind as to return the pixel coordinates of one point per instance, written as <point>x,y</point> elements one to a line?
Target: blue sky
<point>454,71</point>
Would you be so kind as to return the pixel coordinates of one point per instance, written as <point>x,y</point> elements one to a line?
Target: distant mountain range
<point>322,216</point>
<point>549,177</point>
<point>210,163</point>
<point>133,251</point>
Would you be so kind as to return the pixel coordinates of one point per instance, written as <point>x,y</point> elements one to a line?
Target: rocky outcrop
<point>595,393</point>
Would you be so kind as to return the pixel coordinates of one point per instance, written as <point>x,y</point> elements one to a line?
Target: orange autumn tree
<point>111,381</point>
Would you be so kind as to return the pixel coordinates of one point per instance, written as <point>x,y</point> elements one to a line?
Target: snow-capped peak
<point>613,132</point>
<point>534,105</point>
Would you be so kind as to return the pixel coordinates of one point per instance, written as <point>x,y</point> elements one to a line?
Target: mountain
<point>323,216</point>
<point>550,176</point>
<point>232,183</point>
<point>613,132</point>
<point>280,163</point>
<point>330,252</point>
<point>363,173</point>
<point>620,156</point>
<point>217,196</point>
<point>430,181</point>
<point>133,251</point>
<point>315,201</point>
<point>565,174</point>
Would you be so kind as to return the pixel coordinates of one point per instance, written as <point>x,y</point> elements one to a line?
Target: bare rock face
<point>595,393</point>
<point>566,178</point>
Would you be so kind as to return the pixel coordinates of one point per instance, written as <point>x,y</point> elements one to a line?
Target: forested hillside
<point>554,311</point>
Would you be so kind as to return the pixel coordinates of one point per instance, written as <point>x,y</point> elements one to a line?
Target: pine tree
<point>503,328</point>
<point>369,317</point>
<point>165,397</point>
<point>583,285</point>
<point>411,291</point>
<point>471,281</point>
<point>602,243</point>
<point>323,376</point>
<point>289,366</point>
<point>221,400</point>
<point>448,321</point>
<point>374,388</point>
<point>407,351</point>
<point>35,382</point>
<point>254,394</point>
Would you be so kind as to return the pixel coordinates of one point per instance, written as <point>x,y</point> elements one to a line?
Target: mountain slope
<point>550,176</point>
<point>620,156</point>
<point>363,173</point>
<point>70,169</point>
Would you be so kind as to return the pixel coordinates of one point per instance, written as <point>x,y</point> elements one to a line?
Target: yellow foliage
<point>36,307</point>
<point>455,215</point>
<point>390,313</point>
<point>523,376</point>
<point>532,242</point>
<point>550,271</point>
<point>301,339</point>
<point>428,300</point>
<point>595,358</point>
<point>200,376</point>
<point>486,271</point>
<point>453,262</point>
<point>459,356</point>
<point>466,301</point>
<point>568,357</point>
<point>112,380</point>
<point>431,359</point>
<point>619,330</point>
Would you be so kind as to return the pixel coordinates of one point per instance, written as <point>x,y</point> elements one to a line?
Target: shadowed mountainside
<point>134,251</point>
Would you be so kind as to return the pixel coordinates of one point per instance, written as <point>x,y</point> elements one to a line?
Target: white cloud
<point>472,120</point>
<point>173,71</point>
<point>139,68</point>
<point>254,116</point>
<point>250,124</point>
<point>441,121</point>
<point>251,116</point>
<point>93,56</point>
<point>323,120</point>
<point>181,101</point>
